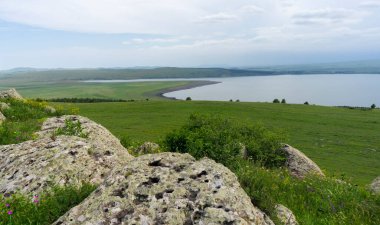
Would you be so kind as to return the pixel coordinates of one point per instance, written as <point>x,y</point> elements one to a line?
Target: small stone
<point>375,186</point>
<point>285,215</point>
<point>3,106</point>
<point>299,164</point>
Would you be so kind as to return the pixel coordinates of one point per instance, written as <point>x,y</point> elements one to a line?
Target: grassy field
<point>342,141</point>
<point>126,91</point>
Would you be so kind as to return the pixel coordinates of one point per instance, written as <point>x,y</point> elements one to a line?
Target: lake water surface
<point>329,90</point>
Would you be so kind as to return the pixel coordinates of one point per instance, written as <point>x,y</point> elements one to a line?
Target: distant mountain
<point>354,67</point>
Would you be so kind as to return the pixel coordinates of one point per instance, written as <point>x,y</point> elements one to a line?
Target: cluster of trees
<point>283,101</point>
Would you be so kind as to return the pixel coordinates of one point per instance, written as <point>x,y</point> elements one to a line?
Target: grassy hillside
<point>127,91</point>
<point>342,141</point>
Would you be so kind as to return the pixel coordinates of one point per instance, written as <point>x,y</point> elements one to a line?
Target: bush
<point>283,101</point>
<point>222,140</point>
<point>71,128</point>
<point>188,99</point>
<point>373,106</point>
<point>42,209</point>
<point>276,101</point>
<point>306,103</point>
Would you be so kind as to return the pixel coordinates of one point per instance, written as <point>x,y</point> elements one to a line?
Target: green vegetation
<point>225,141</point>
<point>24,118</point>
<point>313,200</point>
<point>71,128</point>
<point>276,101</point>
<point>124,91</point>
<point>341,141</point>
<point>41,209</point>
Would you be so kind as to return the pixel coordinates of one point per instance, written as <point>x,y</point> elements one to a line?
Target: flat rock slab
<point>168,188</point>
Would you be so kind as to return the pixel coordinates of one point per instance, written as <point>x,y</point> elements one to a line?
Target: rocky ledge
<point>168,188</point>
<point>32,166</point>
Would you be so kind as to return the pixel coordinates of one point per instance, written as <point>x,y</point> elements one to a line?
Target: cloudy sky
<point>188,33</point>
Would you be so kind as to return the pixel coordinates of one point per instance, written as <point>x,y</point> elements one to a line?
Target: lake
<point>329,90</point>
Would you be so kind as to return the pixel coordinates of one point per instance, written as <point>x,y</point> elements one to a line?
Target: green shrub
<point>313,200</point>
<point>276,100</point>
<point>221,139</point>
<point>71,128</point>
<point>42,209</point>
<point>24,118</point>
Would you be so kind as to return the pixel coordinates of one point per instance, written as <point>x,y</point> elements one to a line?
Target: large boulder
<point>285,215</point>
<point>32,166</point>
<point>11,93</point>
<point>299,164</point>
<point>375,186</point>
<point>167,188</point>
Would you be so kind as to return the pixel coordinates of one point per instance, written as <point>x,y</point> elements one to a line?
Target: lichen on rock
<point>168,188</point>
<point>32,166</point>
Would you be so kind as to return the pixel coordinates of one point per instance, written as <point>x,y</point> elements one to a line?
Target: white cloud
<point>217,18</point>
<point>370,4</point>
<point>328,16</point>
<point>196,31</point>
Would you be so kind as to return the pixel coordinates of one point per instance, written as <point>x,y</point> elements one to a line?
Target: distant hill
<point>28,74</point>
<point>353,67</point>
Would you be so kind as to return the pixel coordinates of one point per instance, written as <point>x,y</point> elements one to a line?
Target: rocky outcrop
<point>147,148</point>
<point>32,166</point>
<point>375,186</point>
<point>2,118</point>
<point>168,188</point>
<point>285,215</point>
<point>11,93</point>
<point>99,136</point>
<point>299,164</point>
<point>3,106</point>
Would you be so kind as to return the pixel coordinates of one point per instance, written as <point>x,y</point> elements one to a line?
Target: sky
<point>184,33</point>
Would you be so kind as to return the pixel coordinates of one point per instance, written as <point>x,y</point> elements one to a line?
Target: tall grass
<point>41,209</point>
<point>313,200</point>
<point>24,118</point>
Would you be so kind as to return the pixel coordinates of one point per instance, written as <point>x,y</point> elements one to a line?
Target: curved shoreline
<point>190,85</point>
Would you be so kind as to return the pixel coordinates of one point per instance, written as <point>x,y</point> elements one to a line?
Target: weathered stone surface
<point>168,188</point>
<point>299,164</point>
<point>375,186</point>
<point>3,106</point>
<point>147,147</point>
<point>285,215</point>
<point>97,134</point>
<point>11,93</point>
<point>2,118</point>
<point>29,167</point>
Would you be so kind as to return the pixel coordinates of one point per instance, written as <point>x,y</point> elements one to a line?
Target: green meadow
<point>343,142</point>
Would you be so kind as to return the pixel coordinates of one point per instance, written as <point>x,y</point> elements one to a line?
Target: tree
<point>373,106</point>
<point>188,99</point>
<point>237,100</point>
<point>276,101</point>
<point>283,101</point>
<point>306,103</point>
